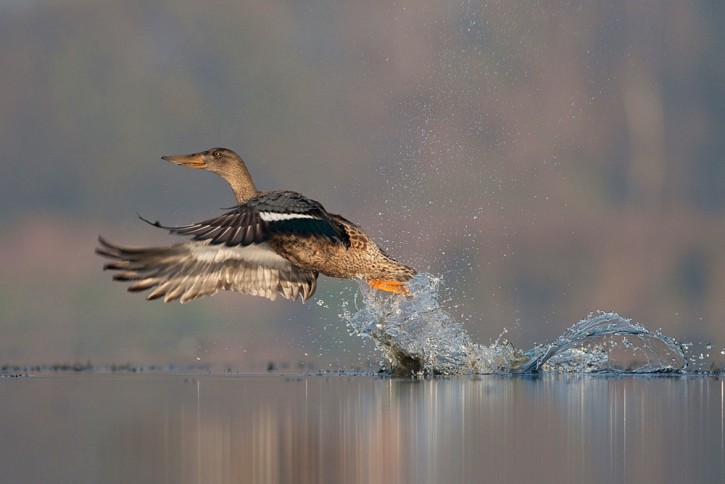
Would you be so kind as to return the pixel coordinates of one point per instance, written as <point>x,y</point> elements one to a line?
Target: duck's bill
<point>195,160</point>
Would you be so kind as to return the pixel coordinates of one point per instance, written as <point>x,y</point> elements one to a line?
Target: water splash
<point>417,336</point>
<point>607,342</point>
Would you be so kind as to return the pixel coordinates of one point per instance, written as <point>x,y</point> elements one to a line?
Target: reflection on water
<point>231,428</point>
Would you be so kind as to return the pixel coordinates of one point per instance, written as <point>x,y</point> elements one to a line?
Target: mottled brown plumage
<point>272,242</point>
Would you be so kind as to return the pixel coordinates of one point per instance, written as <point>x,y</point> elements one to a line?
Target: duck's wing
<point>197,269</point>
<point>263,217</point>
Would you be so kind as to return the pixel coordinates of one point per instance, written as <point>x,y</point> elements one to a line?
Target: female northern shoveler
<point>272,242</point>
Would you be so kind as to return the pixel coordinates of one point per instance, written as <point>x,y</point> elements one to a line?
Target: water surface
<point>193,428</point>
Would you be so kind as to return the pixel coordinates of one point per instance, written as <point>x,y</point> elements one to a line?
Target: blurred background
<point>545,160</point>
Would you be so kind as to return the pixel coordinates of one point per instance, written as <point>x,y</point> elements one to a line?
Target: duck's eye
<point>217,154</point>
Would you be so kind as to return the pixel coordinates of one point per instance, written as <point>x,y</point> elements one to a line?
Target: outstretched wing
<point>263,217</point>
<point>196,269</point>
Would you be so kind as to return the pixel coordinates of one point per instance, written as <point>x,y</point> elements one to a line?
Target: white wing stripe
<point>276,217</point>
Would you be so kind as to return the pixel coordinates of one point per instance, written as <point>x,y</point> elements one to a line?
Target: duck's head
<point>225,163</point>
<point>217,160</point>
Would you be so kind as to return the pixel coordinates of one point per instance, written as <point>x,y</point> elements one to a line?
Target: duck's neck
<point>242,185</point>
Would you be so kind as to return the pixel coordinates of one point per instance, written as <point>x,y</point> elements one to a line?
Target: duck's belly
<point>320,255</point>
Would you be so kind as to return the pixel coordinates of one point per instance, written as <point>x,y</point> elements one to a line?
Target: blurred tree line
<point>546,159</point>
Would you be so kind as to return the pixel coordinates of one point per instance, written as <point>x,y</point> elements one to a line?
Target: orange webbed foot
<point>389,286</point>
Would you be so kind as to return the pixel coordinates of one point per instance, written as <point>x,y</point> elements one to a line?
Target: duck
<point>271,243</point>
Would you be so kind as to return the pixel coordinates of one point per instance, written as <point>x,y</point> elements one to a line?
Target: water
<point>418,337</point>
<point>197,428</point>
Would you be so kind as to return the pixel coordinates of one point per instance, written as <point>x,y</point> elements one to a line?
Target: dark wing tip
<point>155,224</point>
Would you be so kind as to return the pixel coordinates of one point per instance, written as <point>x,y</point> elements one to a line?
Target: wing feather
<point>196,269</point>
<point>263,217</point>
